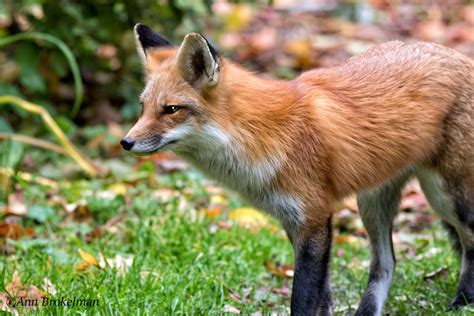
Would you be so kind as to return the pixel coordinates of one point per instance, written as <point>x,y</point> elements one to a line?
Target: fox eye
<point>171,109</point>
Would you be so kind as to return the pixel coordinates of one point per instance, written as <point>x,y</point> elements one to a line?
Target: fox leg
<point>378,207</point>
<point>311,289</point>
<point>463,195</point>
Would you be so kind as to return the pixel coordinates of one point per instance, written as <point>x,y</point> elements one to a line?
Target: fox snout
<point>127,143</point>
<point>143,145</point>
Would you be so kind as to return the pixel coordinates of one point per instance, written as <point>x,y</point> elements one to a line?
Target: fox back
<point>293,148</point>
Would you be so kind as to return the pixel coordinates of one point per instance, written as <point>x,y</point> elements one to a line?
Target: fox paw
<point>460,300</point>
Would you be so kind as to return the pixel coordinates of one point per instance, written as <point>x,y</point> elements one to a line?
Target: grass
<point>185,263</point>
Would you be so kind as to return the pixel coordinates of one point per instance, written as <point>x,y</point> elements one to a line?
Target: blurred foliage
<point>100,36</point>
<point>279,37</point>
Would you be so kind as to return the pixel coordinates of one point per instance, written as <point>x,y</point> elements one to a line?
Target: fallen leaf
<point>280,270</point>
<point>216,203</point>
<point>231,309</point>
<point>248,216</point>
<point>15,285</point>
<point>164,195</point>
<point>414,202</point>
<point>283,291</point>
<point>164,162</point>
<point>440,273</point>
<point>346,239</point>
<point>108,226</point>
<point>79,211</point>
<point>347,203</point>
<point>49,287</point>
<point>301,50</point>
<point>16,205</point>
<point>238,17</point>
<point>120,263</point>
<point>87,260</point>
<point>347,220</point>
<point>14,231</point>
<point>225,225</point>
<point>17,290</point>
<point>5,302</point>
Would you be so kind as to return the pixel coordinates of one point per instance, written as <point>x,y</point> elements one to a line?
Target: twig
<point>34,142</point>
<point>68,146</point>
<point>29,177</point>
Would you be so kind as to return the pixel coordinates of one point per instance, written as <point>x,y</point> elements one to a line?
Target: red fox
<point>294,148</point>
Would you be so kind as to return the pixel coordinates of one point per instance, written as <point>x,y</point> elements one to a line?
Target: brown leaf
<point>87,257</point>
<point>87,260</point>
<point>5,302</point>
<point>17,290</point>
<point>79,211</point>
<point>231,309</point>
<point>349,202</point>
<point>280,270</point>
<point>16,205</point>
<point>249,217</point>
<point>440,273</point>
<point>100,230</point>
<point>120,263</point>
<point>106,51</point>
<point>14,231</point>
<point>345,239</point>
<point>15,285</point>
<point>165,162</point>
<point>283,291</point>
<point>414,202</point>
<point>225,225</point>
<point>301,49</point>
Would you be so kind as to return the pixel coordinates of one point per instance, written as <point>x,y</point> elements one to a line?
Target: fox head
<point>178,83</point>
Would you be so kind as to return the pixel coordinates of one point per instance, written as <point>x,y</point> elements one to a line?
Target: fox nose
<point>127,143</point>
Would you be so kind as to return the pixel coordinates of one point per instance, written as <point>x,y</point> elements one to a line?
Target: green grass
<point>184,265</point>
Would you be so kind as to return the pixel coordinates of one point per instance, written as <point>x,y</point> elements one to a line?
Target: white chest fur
<point>220,157</point>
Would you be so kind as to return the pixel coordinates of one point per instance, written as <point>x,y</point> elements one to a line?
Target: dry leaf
<point>216,203</point>
<point>238,17</point>
<point>440,273</point>
<point>283,291</point>
<point>349,202</point>
<point>225,225</point>
<point>415,201</point>
<point>87,260</point>
<point>165,162</point>
<point>164,195</point>
<point>17,290</point>
<point>248,216</point>
<point>14,231</point>
<point>231,309</point>
<point>79,211</point>
<point>5,302</point>
<point>49,287</point>
<point>301,49</point>
<point>120,263</point>
<point>346,239</point>
<point>280,270</point>
<point>114,190</point>
<point>15,285</point>
<point>16,205</point>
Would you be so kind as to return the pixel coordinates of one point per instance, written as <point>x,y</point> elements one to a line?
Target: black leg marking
<point>465,292</point>
<point>453,237</point>
<point>464,208</point>
<point>311,290</point>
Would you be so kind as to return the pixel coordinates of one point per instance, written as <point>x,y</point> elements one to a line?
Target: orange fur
<point>341,129</point>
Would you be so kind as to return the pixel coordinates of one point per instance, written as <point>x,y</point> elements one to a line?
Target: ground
<point>187,252</point>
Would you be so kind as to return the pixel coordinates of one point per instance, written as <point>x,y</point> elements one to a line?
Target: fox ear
<point>147,39</point>
<point>198,61</point>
